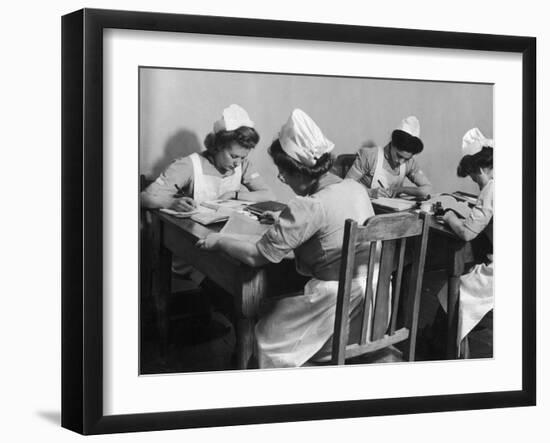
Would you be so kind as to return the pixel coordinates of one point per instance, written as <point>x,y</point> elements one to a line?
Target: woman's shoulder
<point>368,153</point>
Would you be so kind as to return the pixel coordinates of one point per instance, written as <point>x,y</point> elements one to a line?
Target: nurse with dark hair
<point>383,169</point>
<point>476,286</point>
<point>293,329</point>
<point>222,171</point>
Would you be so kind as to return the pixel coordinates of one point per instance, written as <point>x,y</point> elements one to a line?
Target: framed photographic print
<point>209,165</point>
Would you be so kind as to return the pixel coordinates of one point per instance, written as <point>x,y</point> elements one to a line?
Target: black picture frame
<point>82,217</point>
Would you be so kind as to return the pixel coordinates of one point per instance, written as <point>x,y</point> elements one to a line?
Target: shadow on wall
<point>181,144</point>
<point>369,144</point>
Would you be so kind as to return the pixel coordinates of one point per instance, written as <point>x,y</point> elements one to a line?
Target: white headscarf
<point>302,140</point>
<point>233,117</point>
<point>473,141</point>
<point>411,126</point>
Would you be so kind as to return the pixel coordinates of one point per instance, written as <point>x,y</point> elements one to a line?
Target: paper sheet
<point>242,224</point>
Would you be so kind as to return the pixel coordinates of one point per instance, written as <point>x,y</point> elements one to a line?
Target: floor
<point>202,337</point>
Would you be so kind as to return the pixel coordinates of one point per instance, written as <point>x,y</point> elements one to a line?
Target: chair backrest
<point>388,236</point>
<point>342,164</point>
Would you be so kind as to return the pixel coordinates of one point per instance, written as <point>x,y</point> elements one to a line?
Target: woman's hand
<point>395,191</point>
<point>183,204</point>
<point>210,243</point>
<point>379,192</point>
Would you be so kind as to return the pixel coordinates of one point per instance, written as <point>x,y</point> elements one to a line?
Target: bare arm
<point>458,227</point>
<point>423,186</point>
<point>245,252</point>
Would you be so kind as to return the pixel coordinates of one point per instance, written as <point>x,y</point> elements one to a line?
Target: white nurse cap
<point>473,141</point>
<point>302,140</point>
<point>233,117</point>
<point>410,125</point>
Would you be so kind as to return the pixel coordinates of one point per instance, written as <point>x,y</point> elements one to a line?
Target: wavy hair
<point>245,136</point>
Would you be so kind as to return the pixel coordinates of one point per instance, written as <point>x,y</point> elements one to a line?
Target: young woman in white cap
<point>476,287</point>
<point>296,328</point>
<point>383,169</point>
<point>217,172</point>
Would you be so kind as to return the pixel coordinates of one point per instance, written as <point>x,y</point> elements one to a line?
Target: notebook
<point>396,204</point>
<point>179,214</point>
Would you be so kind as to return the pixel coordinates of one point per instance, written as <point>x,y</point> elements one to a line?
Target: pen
<point>381,185</point>
<point>179,192</point>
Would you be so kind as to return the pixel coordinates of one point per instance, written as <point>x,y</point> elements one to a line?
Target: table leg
<point>160,283</point>
<point>254,289</point>
<point>456,269</point>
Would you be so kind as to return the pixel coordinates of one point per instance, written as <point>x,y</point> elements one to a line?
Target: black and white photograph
<point>294,220</point>
<point>274,221</point>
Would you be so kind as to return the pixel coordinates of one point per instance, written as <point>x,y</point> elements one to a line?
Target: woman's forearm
<point>153,201</point>
<point>244,251</point>
<point>457,225</point>
<point>257,196</point>
<point>417,191</point>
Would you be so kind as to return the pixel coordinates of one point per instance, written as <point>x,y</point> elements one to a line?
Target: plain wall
<point>178,108</point>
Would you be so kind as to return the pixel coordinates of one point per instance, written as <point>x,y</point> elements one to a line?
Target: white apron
<point>385,177</point>
<point>205,187</point>
<point>297,327</point>
<point>209,187</point>
<point>476,298</point>
<point>300,328</point>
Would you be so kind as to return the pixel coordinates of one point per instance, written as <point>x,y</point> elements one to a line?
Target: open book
<point>396,204</point>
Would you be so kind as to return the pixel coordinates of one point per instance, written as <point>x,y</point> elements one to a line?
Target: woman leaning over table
<point>383,169</point>
<point>218,172</point>
<point>295,328</point>
<point>476,287</point>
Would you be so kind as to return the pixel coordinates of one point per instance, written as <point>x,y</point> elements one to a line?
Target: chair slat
<point>340,337</point>
<point>381,307</point>
<point>367,301</point>
<point>375,333</point>
<point>390,227</point>
<point>396,288</point>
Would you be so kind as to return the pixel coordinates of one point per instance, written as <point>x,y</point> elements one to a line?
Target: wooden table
<point>248,286</point>
<point>446,251</point>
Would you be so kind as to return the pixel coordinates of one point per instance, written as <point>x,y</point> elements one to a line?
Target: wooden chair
<point>394,231</point>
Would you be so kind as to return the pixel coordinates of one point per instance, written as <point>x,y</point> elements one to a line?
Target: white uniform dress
<point>295,328</point>
<point>371,167</point>
<point>199,178</point>
<point>476,287</point>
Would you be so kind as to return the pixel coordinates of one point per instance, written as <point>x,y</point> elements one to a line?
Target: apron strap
<point>197,174</point>
<point>378,169</point>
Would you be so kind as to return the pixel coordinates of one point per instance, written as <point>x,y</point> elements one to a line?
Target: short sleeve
<point>298,222</point>
<point>482,212</point>
<point>363,167</point>
<point>412,169</point>
<point>179,172</point>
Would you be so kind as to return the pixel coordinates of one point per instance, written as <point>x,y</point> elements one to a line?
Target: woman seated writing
<point>216,173</point>
<point>476,287</point>
<point>383,169</point>
<point>295,328</point>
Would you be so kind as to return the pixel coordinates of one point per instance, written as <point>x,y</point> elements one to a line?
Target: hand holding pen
<point>181,202</point>
<point>381,191</point>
